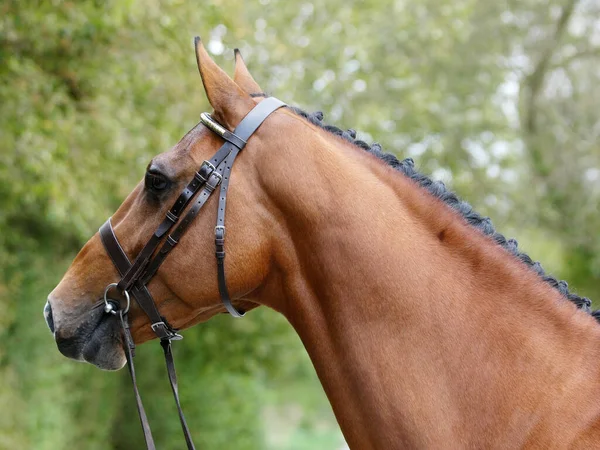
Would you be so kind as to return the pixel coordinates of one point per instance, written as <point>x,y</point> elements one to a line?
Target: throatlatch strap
<point>220,239</point>
<point>244,130</point>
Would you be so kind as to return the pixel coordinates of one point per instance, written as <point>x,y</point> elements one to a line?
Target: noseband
<point>135,277</point>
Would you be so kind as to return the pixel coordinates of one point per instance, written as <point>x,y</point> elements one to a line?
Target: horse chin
<point>107,359</point>
<point>97,341</point>
<point>104,348</point>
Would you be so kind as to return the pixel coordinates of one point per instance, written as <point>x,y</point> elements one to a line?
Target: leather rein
<point>136,276</point>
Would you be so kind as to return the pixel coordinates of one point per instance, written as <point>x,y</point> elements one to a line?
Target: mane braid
<point>439,190</point>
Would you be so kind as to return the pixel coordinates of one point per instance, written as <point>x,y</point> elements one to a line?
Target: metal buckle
<point>109,307</point>
<point>220,227</point>
<point>219,177</point>
<point>209,164</point>
<point>170,334</point>
<point>154,326</point>
<point>203,174</point>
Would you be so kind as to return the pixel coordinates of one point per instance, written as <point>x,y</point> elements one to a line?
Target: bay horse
<point>426,328</point>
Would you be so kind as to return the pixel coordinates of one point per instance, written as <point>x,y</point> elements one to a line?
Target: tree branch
<point>583,54</point>
<point>535,81</point>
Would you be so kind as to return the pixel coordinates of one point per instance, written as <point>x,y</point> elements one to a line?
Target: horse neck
<point>422,330</point>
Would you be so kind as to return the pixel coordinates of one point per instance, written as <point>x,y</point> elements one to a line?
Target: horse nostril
<point>48,316</point>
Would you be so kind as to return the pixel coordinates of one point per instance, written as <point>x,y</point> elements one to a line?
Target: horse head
<point>185,287</point>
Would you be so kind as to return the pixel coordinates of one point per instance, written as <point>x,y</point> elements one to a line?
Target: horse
<point>426,327</point>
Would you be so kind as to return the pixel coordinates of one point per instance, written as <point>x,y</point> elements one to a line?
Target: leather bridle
<point>135,276</point>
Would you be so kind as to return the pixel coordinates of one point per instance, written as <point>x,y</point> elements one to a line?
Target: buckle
<point>156,325</point>
<point>163,331</point>
<point>207,164</point>
<point>218,175</point>
<point>213,185</point>
<point>205,170</point>
<point>220,228</point>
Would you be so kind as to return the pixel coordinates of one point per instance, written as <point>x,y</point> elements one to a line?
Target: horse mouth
<point>96,340</point>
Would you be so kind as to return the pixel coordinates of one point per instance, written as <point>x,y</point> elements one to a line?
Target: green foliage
<point>499,99</point>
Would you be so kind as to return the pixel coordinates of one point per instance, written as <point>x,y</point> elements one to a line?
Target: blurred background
<point>498,99</point>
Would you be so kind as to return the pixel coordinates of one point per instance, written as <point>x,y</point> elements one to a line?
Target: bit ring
<point>109,306</point>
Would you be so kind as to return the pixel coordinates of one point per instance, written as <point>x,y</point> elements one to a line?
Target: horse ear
<point>229,101</point>
<point>242,77</point>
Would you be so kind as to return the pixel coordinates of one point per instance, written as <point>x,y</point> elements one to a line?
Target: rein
<point>136,276</point>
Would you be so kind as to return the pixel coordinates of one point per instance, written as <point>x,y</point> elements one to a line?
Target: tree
<point>497,99</point>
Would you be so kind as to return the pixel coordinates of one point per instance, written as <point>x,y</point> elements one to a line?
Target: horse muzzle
<point>93,337</point>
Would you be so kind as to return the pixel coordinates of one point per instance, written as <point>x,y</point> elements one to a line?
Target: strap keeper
<point>172,217</point>
<point>172,242</point>
<point>234,139</point>
<point>199,178</point>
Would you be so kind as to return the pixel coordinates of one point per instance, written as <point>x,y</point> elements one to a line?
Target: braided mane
<point>439,190</point>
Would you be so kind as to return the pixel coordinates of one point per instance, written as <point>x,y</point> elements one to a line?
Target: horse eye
<point>156,182</point>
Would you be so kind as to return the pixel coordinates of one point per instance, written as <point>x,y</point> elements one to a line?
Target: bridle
<point>136,276</point>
